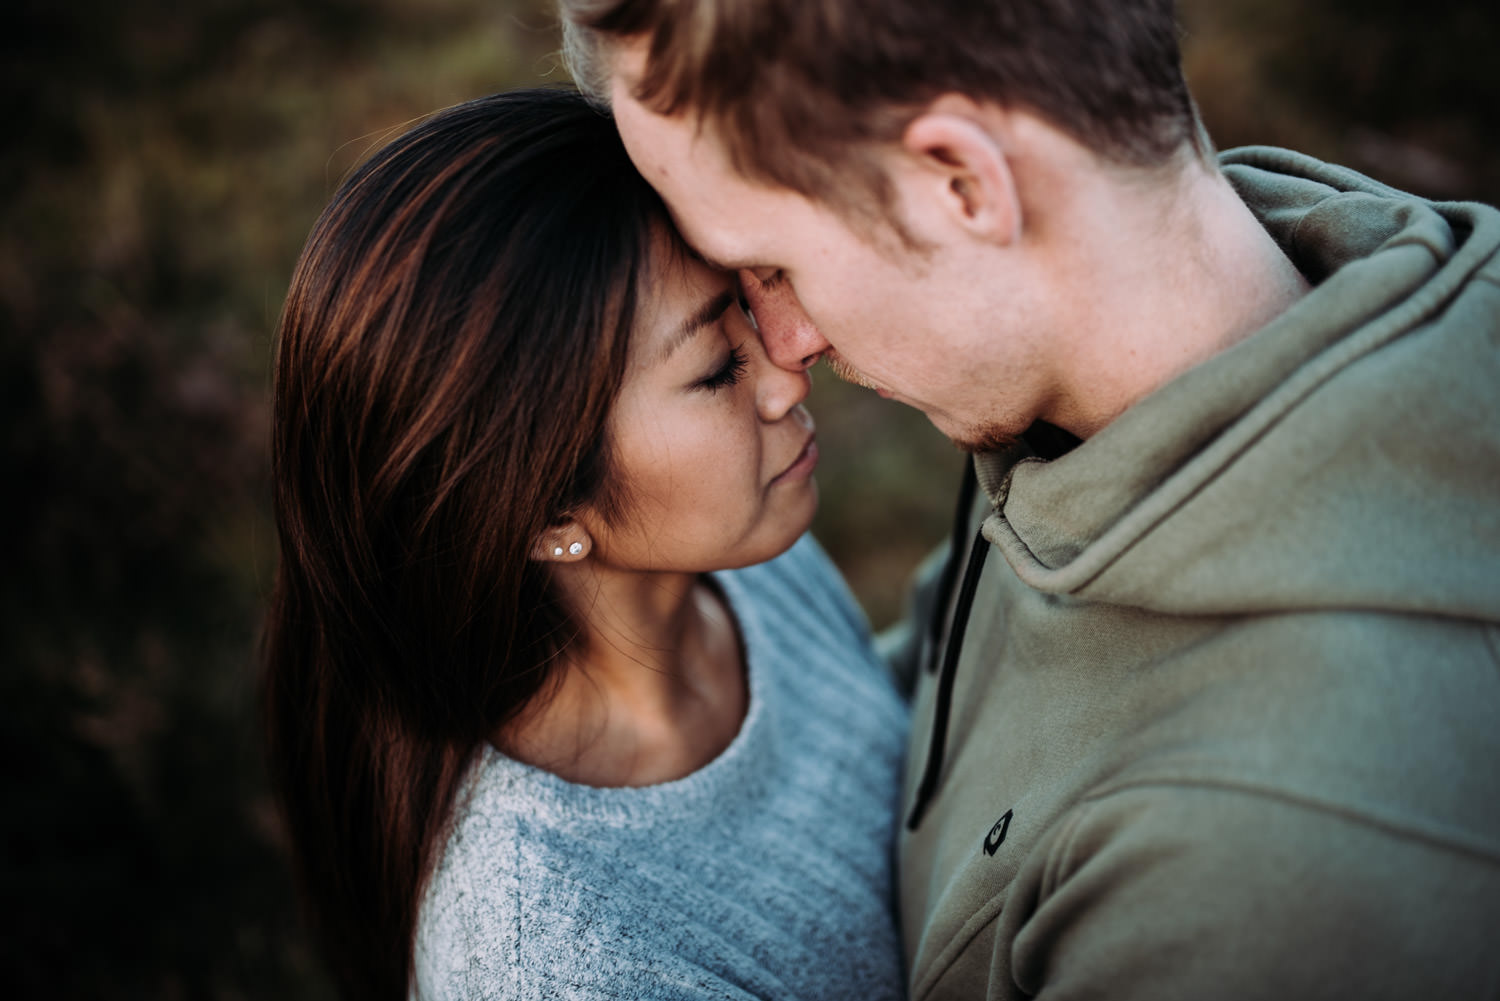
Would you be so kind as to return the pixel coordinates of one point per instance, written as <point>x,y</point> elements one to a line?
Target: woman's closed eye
<point>728,373</point>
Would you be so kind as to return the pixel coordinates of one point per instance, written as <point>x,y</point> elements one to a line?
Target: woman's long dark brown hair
<point>455,334</point>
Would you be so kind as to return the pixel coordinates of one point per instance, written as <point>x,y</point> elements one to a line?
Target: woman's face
<point>711,440</point>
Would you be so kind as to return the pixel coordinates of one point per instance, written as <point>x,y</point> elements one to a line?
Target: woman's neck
<point>652,692</point>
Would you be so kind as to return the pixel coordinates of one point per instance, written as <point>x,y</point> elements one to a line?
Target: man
<point>1212,703</point>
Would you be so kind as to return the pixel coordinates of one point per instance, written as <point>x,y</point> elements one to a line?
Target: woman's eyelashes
<point>728,373</point>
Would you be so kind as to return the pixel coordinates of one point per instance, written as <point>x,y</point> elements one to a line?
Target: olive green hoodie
<point>1224,721</point>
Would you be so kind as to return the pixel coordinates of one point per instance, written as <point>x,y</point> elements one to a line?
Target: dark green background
<point>161,165</point>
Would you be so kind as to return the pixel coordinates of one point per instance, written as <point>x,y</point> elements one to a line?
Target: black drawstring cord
<point>928,786</point>
<point>947,578</point>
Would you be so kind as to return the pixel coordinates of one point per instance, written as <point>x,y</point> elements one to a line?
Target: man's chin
<point>977,439</point>
<point>980,440</point>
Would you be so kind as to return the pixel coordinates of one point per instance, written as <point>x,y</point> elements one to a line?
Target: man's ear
<point>963,164</point>
<point>565,542</point>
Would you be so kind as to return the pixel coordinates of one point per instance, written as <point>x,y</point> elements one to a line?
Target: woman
<point>533,733</point>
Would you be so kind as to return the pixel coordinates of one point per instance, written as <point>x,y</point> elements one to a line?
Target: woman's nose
<point>777,389</point>
<point>792,340</point>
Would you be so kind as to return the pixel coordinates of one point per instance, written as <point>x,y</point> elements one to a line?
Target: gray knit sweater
<point>767,873</point>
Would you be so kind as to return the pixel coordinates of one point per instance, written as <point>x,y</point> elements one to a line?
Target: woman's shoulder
<point>508,864</point>
<point>531,900</point>
<point>468,919</point>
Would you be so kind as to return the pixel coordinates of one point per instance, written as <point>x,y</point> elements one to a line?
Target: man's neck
<point>1176,273</point>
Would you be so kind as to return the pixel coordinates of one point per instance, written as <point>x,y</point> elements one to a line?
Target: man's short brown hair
<point>796,87</point>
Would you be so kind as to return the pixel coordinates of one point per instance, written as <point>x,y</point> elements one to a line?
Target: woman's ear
<point>964,171</point>
<point>565,542</point>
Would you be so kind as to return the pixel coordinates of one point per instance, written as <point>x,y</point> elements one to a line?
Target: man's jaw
<point>975,439</point>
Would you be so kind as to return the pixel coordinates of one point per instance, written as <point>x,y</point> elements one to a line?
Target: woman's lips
<point>802,466</point>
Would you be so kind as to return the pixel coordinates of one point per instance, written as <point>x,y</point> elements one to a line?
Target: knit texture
<point>766,873</point>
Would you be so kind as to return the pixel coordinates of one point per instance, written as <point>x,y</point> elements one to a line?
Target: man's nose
<point>792,340</point>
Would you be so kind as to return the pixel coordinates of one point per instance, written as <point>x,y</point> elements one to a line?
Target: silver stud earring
<point>576,548</point>
<point>557,550</point>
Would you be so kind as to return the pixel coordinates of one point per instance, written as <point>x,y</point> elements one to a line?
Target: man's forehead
<point>719,211</point>
<point>684,128</point>
<point>681,155</point>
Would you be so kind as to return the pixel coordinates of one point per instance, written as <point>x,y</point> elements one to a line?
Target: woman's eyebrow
<point>704,315</point>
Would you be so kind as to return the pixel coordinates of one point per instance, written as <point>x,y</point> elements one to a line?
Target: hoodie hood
<point>1255,482</point>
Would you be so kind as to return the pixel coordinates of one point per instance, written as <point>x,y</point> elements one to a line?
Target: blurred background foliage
<point>161,167</point>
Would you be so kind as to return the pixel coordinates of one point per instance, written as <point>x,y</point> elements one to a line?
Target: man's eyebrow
<point>699,255</point>
<point>705,314</point>
<point>776,278</point>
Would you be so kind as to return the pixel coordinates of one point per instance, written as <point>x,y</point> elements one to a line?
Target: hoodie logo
<point>993,839</point>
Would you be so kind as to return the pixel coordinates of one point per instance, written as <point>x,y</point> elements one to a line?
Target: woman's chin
<point>773,542</point>
<point>799,525</point>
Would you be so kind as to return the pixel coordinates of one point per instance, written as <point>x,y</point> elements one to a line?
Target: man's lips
<point>802,466</point>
